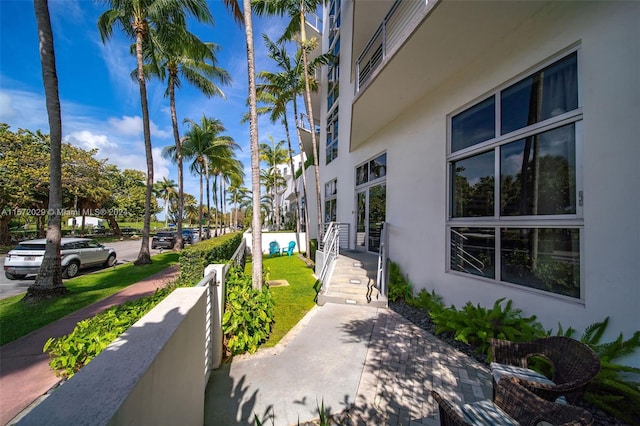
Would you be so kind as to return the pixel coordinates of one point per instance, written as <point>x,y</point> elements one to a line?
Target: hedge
<point>194,258</point>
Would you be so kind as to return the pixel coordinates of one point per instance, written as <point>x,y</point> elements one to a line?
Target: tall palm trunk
<point>215,203</point>
<point>256,225</point>
<point>206,173</point>
<point>200,207</point>
<point>144,257</point>
<point>304,184</point>
<point>312,127</point>
<point>293,175</point>
<point>48,282</point>
<point>176,136</point>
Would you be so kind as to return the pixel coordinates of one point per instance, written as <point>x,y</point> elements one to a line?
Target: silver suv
<point>76,253</point>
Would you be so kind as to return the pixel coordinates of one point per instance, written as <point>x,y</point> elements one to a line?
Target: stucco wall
<point>141,378</point>
<point>415,142</point>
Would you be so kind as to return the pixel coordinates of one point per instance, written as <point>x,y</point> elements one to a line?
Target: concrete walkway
<point>366,365</point>
<point>25,375</point>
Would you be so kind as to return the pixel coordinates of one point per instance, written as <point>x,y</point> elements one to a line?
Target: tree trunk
<point>206,172</point>
<point>200,208</point>
<point>304,184</point>
<point>113,224</point>
<point>5,235</point>
<point>293,174</point>
<point>48,283</point>
<point>144,257</point>
<point>307,96</point>
<point>256,225</point>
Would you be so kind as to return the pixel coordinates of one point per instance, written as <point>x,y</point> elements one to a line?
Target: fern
<point>612,390</point>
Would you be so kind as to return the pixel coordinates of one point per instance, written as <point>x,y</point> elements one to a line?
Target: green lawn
<point>18,319</point>
<point>291,302</point>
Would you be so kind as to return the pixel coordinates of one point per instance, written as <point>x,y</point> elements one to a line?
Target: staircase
<point>353,281</point>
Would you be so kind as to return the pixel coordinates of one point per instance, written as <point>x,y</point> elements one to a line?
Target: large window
<point>515,189</point>
<point>332,136</point>
<point>330,200</point>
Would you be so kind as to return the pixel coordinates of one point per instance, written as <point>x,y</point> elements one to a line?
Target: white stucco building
<point>499,143</point>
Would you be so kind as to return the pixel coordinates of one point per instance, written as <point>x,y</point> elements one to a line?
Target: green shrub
<point>612,390</point>
<point>430,302</point>
<point>73,351</point>
<point>248,315</point>
<point>476,325</point>
<point>194,258</point>
<point>399,286</point>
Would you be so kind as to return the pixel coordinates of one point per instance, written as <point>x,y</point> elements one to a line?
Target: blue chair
<point>274,248</point>
<point>289,249</point>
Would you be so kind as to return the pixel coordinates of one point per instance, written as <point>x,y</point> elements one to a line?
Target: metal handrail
<point>460,254</point>
<point>303,123</point>
<point>381,277</point>
<point>331,247</point>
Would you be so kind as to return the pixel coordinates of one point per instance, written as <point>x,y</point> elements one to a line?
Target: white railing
<point>330,244</point>
<point>381,278</point>
<point>462,257</point>
<point>395,28</point>
<point>303,123</point>
<point>313,21</point>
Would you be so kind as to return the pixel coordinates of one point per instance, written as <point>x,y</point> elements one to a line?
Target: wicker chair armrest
<point>529,409</point>
<point>513,353</point>
<point>449,416</point>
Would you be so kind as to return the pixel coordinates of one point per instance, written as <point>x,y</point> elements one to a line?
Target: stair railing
<point>381,278</point>
<point>461,256</point>
<point>331,247</point>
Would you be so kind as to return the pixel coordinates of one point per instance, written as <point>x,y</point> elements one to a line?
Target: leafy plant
<point>73,351</point>
<point>399,286</point>
<point>430,302</point>
<point>194,258</point>
<point>613,389</point>
<point>476,325</point>
<point>249,313</point>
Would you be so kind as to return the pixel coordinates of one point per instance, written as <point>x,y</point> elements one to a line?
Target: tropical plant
<point>181,56</point>
<point>248,315</point>
<point>274,155</point>
<point>616,388</point>
<point>476,325</point>
<point>166,189</point>
<point>297,10</point>
<point>48,283</point>
<point>139,20</point>
<point>399,286</point>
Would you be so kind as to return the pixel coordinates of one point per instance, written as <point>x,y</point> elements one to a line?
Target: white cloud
<point>87,140</point>
<point>132,126</point>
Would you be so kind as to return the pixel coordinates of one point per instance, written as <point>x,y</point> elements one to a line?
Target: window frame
<point>497,221</point>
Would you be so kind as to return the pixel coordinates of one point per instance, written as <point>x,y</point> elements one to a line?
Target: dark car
<point>190,236</point>
<point>165,239</point>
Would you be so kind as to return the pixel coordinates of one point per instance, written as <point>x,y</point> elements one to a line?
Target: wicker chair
<point>573,363</point>
<point>513,405</point>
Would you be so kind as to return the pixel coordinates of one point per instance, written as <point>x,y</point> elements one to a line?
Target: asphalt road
<point>126,251</point>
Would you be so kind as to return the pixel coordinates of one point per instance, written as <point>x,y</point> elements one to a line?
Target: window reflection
<point>538,174</point>
<point>542,258</point>
<point>474,125</point>
<point>473,186</point>
<point>550,92</point>
<point>473,251</point>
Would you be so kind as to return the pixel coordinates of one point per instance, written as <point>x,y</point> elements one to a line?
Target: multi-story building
<point>498,143</point>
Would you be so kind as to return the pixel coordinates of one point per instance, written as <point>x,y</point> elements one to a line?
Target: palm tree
<point>274,155</point>
<point>296,10</point>
<point>166,189</point>
<point>138,19</point>
<point>48,283</point>
<point>202,143</point>
<point>182,56</point>
<point>276,91</point>
<point>243,15</point>
<point>222,161</point>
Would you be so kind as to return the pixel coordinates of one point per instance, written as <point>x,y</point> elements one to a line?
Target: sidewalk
<point>24,369</point>
<point>369,366</point>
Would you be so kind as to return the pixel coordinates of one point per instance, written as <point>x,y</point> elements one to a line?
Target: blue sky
<point>101,104</point>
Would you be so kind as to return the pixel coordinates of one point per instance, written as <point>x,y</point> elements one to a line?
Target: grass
<point>18,319</point>
<point>292,302</point>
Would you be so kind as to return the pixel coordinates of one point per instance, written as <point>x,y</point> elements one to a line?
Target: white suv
<point>76,253</point>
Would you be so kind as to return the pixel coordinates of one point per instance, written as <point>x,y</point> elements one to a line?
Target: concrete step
<point>351,299</point>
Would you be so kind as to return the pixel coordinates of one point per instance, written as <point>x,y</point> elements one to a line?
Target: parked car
<point>75,253</point>
<point>190,236</point>
<point>163,239</point>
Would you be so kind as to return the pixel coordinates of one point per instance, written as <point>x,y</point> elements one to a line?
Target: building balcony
<point>416,46</point>
<point>305,133</point>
